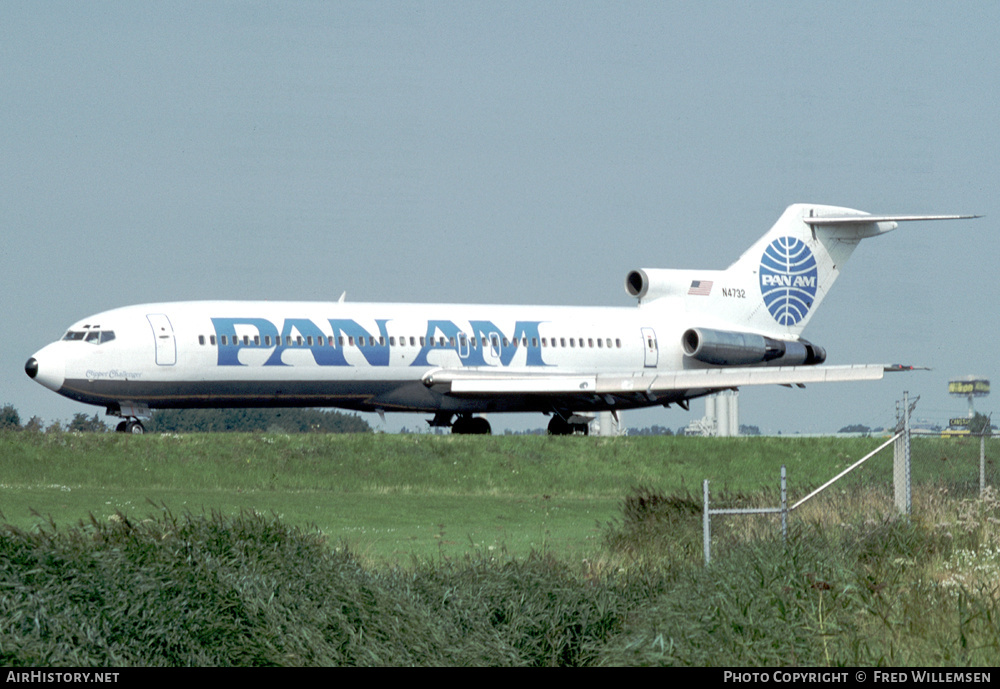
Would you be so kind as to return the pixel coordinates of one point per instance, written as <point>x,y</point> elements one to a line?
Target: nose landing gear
<point>131,426</point>
<point>129,412</point>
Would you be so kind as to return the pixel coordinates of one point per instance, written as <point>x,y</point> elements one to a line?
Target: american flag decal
<point>700,288</point>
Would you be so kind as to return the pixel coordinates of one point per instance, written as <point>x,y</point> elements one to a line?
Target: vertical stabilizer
<point>775,287</point>
<point>789,271</point>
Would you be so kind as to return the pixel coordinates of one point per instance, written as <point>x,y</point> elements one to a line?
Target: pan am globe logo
<point>788,279</point>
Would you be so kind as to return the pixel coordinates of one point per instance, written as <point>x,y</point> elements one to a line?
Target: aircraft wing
<point>475,383</point>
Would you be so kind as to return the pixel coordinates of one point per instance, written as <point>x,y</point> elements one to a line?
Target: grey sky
<point>508,153</point>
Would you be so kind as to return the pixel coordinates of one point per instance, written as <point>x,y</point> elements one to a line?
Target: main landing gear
<point>471,425</point>
<point>465,424</point>
<point>572,425</point>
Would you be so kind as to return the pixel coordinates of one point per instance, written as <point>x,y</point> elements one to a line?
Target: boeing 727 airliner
<point>692,333</point>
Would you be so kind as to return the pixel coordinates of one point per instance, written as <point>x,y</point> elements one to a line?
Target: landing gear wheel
<point>471,425</point>
<point>481,426</point>
<point>560,426</point>
<point>134,427</point>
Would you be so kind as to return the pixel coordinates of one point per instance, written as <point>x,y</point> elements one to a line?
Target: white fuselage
<point>364,356</point>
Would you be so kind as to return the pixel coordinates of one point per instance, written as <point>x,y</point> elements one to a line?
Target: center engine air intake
<point>648,284</point>
<point>726,348</point>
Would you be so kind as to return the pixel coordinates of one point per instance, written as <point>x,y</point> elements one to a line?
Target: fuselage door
<point>163,335</point>
<point>649,344</point>
<point>492,352</point>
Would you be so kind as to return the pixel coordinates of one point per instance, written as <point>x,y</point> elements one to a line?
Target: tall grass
<point>251,590</point>
<point>852,585</point>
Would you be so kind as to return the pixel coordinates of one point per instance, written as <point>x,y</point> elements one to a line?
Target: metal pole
<point>706,535</point>
<point>982,462</point>
<point>987,428</point>
<point>784,505</point>
<point>906,446</point>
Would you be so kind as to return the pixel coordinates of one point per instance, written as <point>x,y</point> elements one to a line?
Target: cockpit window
<point>93,336</point>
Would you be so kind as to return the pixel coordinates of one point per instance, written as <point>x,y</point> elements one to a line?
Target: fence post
<point>901,460</point>
<point>706,535</point>
<point>987,428</point>
<point>784,505</point>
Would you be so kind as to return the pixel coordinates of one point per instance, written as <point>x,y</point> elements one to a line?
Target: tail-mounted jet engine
<point>647,284</point>
<point>725,348</point>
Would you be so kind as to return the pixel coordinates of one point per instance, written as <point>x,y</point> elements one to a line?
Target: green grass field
<point>265,549</point>
<point>392,497</point>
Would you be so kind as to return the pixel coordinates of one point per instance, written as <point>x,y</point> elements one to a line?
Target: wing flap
<point>722,378</point>
<point>461,382</point>
<point>525,384</point>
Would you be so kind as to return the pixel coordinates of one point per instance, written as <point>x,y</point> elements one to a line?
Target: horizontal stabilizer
<point>869,219</point>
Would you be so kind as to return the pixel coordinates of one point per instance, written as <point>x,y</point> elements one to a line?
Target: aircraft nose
<point>47,367</point>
